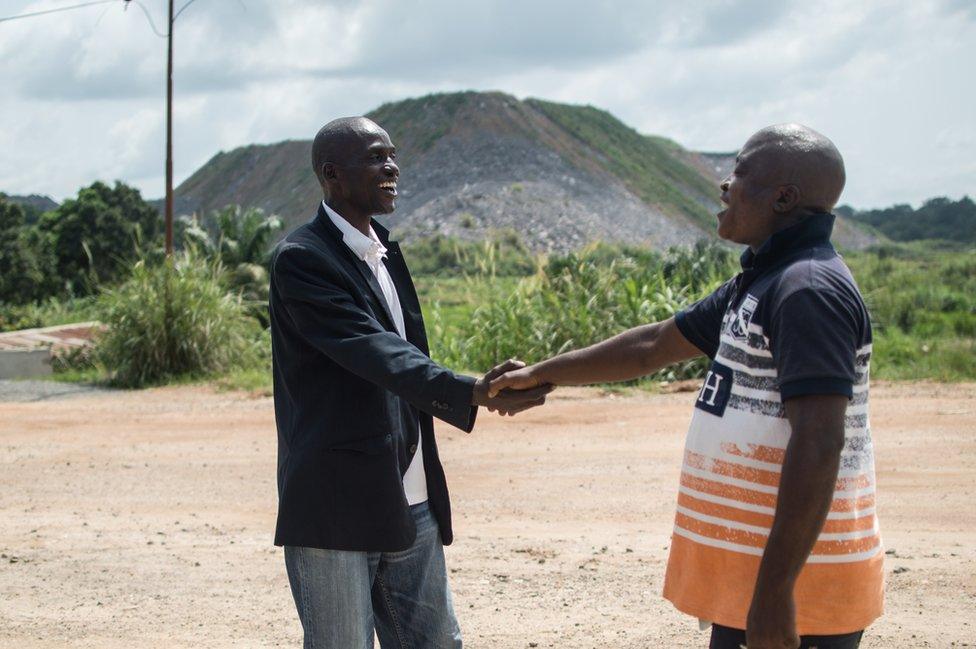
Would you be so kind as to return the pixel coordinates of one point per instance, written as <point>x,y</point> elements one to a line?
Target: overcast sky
<point>890,82</point>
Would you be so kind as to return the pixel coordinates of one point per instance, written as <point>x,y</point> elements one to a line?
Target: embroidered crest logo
<point>739,328</point>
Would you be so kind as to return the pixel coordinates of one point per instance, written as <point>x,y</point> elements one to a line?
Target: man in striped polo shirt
<point>775,541</point>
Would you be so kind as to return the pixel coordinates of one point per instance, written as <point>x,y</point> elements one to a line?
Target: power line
<point>188,3</point>
<point>51,11</point>
<point>152,25</point>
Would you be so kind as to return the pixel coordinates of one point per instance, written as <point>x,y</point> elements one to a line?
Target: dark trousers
<point>725,638</point>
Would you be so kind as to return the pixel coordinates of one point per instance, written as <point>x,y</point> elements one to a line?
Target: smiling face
<point>362,173</point>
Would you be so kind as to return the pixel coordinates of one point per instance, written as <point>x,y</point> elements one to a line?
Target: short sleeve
<point>701,323</point>
<point>814,338</point>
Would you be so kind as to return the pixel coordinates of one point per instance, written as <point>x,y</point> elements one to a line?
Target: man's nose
<point>391,168</point>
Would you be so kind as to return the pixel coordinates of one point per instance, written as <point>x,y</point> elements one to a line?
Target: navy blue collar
<point>812,232</point>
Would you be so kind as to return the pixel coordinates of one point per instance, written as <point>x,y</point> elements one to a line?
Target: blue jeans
<point>343,595</point>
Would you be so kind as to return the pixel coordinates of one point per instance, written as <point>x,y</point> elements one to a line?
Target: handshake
<point>510,388</point>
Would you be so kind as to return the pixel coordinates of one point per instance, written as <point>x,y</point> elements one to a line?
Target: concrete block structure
<point>27,353</point>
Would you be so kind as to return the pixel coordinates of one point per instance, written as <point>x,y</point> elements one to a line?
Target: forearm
<point>629,355</point>
<point>806,489</point>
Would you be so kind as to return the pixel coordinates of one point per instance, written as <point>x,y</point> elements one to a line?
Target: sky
<point>891,83</point>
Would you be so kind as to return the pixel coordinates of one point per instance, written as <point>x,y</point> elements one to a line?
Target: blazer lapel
<point>335,237</point>
<point>413,319</point>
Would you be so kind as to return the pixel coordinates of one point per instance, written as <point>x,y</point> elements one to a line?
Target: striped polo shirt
<point>792,323</point>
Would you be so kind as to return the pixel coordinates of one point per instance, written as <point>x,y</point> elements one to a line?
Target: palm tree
<point>240,238</point>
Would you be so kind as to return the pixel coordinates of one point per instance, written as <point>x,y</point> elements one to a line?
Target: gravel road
<point>24,391</point>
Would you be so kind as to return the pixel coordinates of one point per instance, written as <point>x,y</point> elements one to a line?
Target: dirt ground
<point>144,519</point>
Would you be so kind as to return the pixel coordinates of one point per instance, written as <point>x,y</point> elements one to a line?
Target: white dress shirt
<point>372,251</point>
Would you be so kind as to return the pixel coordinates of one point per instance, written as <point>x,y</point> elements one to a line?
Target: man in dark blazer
<point>363,502</point>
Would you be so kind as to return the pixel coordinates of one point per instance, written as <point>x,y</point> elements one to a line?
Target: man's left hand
<point>772,622</point>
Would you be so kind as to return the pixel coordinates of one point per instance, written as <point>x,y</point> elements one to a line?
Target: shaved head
<point>783,174</point>
<point>355,163</point>
<point>339,140</point>
<point>792,154</point>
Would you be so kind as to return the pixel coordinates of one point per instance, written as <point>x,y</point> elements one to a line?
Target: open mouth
<point>389,186</point>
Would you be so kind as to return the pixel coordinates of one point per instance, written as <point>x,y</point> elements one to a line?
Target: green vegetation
<point>203,314</point>
<point>48,313</point>
<point>24,267</point>
<point>416,124</point>
<point>922,299</point>
<point>501,255</point>
<point>99,257</point>
<point>174,320</point>
<point>240,239</point>
<point>937,218</point>
<point>575,300</point>
<point>95,237</point>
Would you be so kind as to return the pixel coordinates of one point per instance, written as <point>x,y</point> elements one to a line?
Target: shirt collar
<point>366,248</point>
<point>811,232</point>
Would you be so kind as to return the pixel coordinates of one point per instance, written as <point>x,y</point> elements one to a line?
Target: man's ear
<point>787,198</point>
<point>328,171</point>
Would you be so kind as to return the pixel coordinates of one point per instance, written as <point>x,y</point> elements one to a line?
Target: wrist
<point>537,374</point>
<point>479,392</point>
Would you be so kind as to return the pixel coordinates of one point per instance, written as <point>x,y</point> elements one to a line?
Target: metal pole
<point>169,137</point>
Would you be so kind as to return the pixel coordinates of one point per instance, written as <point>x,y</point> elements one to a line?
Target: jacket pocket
<point>377,445</point>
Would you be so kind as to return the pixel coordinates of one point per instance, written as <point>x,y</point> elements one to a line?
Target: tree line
<point>937,218</point>
<point>94,240</point>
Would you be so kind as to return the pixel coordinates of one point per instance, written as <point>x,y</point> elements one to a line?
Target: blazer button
<point>413,449</point>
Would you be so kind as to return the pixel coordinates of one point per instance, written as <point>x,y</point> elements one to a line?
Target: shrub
<point>173,319</point>
<point>445,257</point>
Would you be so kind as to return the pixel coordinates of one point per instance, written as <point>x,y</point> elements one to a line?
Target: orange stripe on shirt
<point>847,547</point>
<point>716,584</point>
<point>732,492</point>
<point>762,476</point>
<point>847,525</point>
<point>853,483</point>
<point>756,452</point>
<point>732,470</point>
<point>758,519</point>
<point>720,532</point>
<point>724,511</point>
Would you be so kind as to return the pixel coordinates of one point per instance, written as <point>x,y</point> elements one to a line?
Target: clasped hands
<point>509,388</point>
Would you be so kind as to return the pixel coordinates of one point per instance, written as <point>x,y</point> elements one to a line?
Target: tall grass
<point>174,320</point>
<point>922,299</point>
<point>576,300</point>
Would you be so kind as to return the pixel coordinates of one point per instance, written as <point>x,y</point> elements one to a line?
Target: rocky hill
<point>476,163</point>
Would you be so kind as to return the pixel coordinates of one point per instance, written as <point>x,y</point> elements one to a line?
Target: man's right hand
<point>514,378</point>
<point>508,400</point>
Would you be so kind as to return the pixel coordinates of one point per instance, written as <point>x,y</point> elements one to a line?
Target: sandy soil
<point>145,519</point>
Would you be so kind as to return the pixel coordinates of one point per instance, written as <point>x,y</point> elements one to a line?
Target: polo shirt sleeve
<point>701,323</point>
<point>814,336</point>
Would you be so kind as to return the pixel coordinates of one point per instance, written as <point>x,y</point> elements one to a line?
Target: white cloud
<point>85,97</point>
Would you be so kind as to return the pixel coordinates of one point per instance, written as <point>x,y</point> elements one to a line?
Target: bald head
<point>796,155</point>
<point>340,140</point>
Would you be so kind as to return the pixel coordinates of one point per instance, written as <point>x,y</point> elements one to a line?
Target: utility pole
<point>169,136</point>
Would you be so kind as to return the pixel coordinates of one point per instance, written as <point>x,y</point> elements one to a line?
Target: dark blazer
<point>348,394</point>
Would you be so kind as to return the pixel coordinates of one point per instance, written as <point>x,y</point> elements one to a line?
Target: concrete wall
<point>25,364</point>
